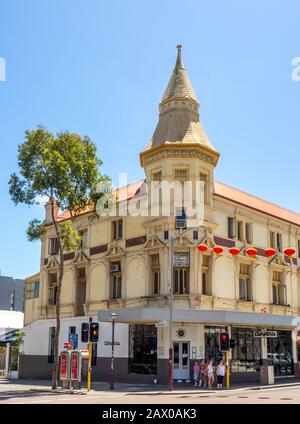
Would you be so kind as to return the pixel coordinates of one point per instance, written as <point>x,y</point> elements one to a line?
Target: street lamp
<point>112,365</point>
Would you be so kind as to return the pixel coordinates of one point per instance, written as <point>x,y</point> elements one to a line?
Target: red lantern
<point>289,252</point>
<point>202,247</point>
<point>251,251</point>
<point>218,250</point>
<point>234,251</point>
<point>269,252</point>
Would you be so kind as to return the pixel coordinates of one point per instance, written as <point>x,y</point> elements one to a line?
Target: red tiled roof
<point>221,190</point>
<point>253,202</point>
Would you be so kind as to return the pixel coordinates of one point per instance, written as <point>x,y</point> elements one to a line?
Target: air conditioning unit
<point>180,223</point>
<point>114,267</point>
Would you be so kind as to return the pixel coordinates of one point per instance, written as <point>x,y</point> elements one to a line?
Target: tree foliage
<point>65,168</point>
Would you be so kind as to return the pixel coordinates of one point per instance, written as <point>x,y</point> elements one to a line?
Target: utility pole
<point>170,368</point>
<point>112,364</point>
<point>89,346</point>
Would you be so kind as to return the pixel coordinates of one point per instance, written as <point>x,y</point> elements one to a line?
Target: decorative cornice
<point>180,150</point>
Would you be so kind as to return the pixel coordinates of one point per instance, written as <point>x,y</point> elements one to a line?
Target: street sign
<point>68,345</point>
<point>265,333</point>
<point>73,337</point>
<point>162,324</point>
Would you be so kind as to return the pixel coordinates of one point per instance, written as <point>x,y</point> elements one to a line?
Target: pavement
<point>14,386</point>
<point>18,394</point>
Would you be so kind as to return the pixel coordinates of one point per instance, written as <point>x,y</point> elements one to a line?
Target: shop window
<point>245,283</point>
<point>142,357</point>
<point>212,343</point>
<point>280,353</point>
<point>247,351</point>
<point>72,330</point>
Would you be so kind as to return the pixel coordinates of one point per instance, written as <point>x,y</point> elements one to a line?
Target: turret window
<point>204,180</point>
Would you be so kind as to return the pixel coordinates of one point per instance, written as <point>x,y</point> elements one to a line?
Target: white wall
<point>36,340</point>
<point>10,320</point>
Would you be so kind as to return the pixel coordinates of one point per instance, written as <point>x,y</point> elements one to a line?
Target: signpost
<point>73,338</point>
<point>68,345</point>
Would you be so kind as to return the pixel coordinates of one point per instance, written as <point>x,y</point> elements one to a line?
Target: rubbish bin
<point>267,374</point>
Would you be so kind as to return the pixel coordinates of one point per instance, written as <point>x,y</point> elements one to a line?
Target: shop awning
<point>154,315</point>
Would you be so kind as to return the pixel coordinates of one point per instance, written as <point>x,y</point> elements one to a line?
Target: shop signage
<point>73,338</point>
<point>181,259</point>
<point>108,343</point>
<point>68,345</point>
<point>162,324</point>
<point>265,333</point>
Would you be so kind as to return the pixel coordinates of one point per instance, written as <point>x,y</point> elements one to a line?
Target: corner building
<point>123,266</point>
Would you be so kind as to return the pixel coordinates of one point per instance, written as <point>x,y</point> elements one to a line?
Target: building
<point>11,294</point>
<point>223,276</point>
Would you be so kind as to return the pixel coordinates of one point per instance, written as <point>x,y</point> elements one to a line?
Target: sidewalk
<point>138,389</point>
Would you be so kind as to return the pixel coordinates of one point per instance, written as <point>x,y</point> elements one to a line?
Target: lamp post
<point>112,364</point>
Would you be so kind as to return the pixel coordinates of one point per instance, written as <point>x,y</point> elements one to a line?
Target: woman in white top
<point>210,374</point>
<point>220,373</point>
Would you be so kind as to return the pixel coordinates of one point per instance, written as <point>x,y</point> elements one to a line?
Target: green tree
<point>65,169</point>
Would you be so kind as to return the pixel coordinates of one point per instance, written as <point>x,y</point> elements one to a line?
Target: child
<point>210,374</point>
<point>220,373</point>
<point>196,370</point>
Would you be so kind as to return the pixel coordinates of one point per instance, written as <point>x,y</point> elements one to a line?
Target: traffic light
<point>94,332</point>
<point>224,342</point>
<point>85,327</point>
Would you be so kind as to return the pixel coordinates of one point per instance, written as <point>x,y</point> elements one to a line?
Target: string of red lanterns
<point>250,251</point>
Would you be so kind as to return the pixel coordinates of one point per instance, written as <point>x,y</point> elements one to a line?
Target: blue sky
<point>100,68</point>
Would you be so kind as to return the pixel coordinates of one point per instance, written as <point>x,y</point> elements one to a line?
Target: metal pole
<point>89,366</point>
<point>112,371</point>
<point>227,370</point>
<point>170,368</point>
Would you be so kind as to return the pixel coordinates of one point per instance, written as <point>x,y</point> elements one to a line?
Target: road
<point>283,395</point>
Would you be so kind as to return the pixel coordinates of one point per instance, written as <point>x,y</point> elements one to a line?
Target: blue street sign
<point>74,339</point>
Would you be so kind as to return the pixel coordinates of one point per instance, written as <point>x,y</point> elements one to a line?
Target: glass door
<point>181,365</point>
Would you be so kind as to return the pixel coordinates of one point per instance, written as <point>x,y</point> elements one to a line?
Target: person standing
<point>203,373</point>
<point>221,369</point>
<point>196,371</point>
<point>210,374</point>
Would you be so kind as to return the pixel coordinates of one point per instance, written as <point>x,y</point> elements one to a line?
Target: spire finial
<point>179,60</point>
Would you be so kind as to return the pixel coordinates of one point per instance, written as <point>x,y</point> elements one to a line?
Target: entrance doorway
<point>181,369</point>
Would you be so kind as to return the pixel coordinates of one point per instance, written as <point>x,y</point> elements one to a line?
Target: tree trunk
<point>57,304</point>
